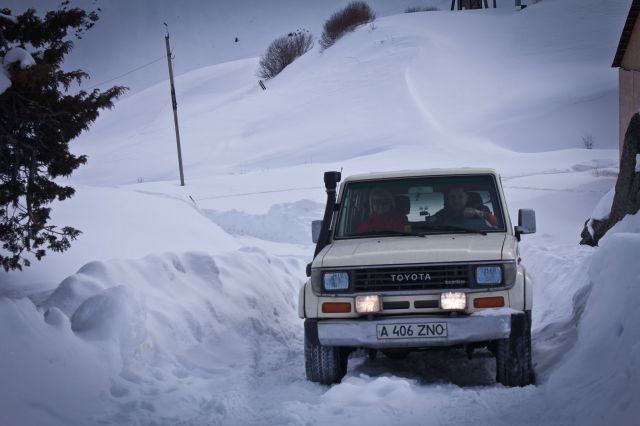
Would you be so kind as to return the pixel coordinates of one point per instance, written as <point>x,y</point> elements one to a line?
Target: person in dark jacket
<point>461,209</point>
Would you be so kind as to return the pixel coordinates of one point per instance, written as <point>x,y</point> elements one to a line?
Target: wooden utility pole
<point>175,106</point>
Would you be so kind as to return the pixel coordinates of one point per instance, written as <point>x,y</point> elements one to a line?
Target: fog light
<point>453,301</point>
<point>367,304</point>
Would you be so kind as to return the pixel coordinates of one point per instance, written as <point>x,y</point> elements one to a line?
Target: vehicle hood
<point>407,250</point>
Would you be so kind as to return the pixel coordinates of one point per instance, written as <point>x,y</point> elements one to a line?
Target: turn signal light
<point>488,302</point>
<point>336,307</point>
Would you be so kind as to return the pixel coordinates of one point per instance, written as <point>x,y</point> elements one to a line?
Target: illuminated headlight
<point>488,275</point>
<point>367,304</point>
<point>453,301</point>
<point>336,281</point>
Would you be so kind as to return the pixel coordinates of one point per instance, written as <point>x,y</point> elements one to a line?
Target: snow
<point>602,210</point>
<point>154,327</point>
<point>18,54</point>
<point>494,312</point>
<point>606,355</point>
<point>123,224</point>
<point>203,32</point>
<point>15,54</point>
<point>286,223</point>
<point>9,18</point>
<point>5,82</point>
<point>178,305</point>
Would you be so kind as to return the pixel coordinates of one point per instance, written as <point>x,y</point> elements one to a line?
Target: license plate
<point>411,330</point>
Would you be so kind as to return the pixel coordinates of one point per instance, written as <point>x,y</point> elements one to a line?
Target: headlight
<point>367,304</point>
<point>336,281</point>
<point>453,300</point>
<point>488,275</point>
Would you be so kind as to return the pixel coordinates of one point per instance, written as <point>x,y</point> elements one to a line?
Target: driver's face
<point>457,199</point>
<point>380,204</point>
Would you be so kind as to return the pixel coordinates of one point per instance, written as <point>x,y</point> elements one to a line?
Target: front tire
<point>324,364</point>
<point>513,355</point>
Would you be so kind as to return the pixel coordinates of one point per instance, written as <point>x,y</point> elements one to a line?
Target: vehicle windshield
<point>420,206</point>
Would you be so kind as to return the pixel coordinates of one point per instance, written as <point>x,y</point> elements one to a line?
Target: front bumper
<point>362,332</point>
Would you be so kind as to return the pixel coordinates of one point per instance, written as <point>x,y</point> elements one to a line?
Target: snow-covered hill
<point>130,34</point>
<point>435,89</point>
<point>177,305</point>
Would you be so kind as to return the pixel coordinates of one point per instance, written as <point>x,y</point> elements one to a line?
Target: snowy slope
<point>177,305</point>
<point>116,223</point>
<point>435,92</point>
<point>203,32</point>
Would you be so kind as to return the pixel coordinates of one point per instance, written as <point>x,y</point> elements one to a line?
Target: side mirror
<point>316,226</point>
<point>526,222</point>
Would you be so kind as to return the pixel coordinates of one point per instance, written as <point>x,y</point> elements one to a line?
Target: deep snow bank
<point>605,360</point>
<point>118,223</point>
<point>127,341</point>
<point>287,222</point>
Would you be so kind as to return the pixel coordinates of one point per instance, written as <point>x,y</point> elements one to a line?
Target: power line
<point>128,72</point>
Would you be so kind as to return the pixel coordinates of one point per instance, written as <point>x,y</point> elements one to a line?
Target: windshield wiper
<point>451,228</point>
<point>384,233</point>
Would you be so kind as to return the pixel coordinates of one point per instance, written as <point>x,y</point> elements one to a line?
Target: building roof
<point>634,11</point>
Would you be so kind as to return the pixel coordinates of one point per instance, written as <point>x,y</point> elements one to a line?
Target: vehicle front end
<point>426,285</point>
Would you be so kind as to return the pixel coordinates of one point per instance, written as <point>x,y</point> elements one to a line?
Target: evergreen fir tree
<point>39,116</point>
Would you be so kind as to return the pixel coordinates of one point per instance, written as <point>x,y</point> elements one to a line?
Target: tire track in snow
<point>420,105</point>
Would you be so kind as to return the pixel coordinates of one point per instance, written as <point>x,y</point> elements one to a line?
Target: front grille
<point>405,278</point>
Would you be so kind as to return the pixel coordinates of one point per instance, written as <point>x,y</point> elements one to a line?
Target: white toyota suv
<point>412,260</point>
